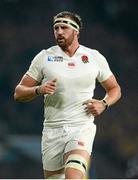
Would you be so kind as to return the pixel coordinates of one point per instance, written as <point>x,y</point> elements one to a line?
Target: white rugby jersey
<point>76,77</point>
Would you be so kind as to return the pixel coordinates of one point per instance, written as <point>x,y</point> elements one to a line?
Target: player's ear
<point>76,32</point>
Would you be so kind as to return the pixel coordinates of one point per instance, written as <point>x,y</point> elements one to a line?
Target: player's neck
<point>70,50</point>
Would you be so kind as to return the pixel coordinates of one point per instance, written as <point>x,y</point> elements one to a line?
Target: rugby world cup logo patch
<point>50,58</point>
<point>55,58</point>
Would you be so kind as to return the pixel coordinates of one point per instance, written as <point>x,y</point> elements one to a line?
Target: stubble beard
<point>65,43</point>
<point>61,42</point>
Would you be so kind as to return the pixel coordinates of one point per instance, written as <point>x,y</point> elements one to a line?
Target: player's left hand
<point>94,107</point>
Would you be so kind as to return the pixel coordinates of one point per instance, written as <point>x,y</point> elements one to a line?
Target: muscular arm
<point>113,94</point>
<point>25,90</point>
<point>113,91</point>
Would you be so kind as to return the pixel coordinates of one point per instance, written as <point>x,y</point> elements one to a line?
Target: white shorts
<point>57,141</point>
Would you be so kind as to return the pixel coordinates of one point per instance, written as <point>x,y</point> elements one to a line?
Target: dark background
<point>110,26</point>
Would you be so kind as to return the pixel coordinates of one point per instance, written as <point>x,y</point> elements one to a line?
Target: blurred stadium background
<point>110,26</point>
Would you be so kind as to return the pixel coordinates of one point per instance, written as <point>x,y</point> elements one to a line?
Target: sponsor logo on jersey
<point>71,64</point>
<point>84,59</point>
<point>55,58</point>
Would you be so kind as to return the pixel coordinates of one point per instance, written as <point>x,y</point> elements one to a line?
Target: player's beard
<point>63,42</point>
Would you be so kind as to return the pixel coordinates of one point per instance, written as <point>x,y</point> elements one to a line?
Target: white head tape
<point>66,21</point>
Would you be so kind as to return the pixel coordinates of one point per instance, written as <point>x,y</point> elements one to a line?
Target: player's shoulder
<point>52,49</point>
<point>40,54</point>
<point>45,52</point>
<point>94,53</point>
<point>88,50</point>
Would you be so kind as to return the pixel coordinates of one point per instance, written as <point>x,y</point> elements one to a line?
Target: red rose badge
<point>84,59</point>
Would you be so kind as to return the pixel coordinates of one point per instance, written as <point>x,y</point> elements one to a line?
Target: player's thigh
<point>81,140</point>
<point>52,147</point>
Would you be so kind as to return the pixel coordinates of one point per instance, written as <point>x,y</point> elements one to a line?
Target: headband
<point>68,22</point>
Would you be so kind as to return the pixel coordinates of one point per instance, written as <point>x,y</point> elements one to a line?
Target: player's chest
<point>69,67</point>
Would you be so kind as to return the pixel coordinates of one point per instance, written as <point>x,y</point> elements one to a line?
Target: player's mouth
<point>60,39</point>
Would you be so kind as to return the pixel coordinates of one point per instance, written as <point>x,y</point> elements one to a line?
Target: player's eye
<point>56,28</point>
<point>64,27</point>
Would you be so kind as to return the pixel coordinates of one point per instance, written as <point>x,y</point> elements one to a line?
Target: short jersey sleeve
<point>35,69</point>
<point>103,67</point>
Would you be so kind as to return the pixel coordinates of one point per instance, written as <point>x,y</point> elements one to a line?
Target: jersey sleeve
<point>104,69</point>
<point>35,69</point>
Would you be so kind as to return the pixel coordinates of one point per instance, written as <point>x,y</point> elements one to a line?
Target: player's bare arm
<point>28,89</point>
<point>113,90</point>
<point>113,94</point>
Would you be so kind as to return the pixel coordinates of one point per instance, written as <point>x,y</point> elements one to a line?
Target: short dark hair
<point>73,16</point>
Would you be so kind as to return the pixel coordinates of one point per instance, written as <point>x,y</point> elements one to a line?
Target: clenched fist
<point>94,107</point>
<point>47,88</point>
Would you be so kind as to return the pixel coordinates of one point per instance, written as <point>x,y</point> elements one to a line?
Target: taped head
<point>68,22</point>
<point>68,18</point>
